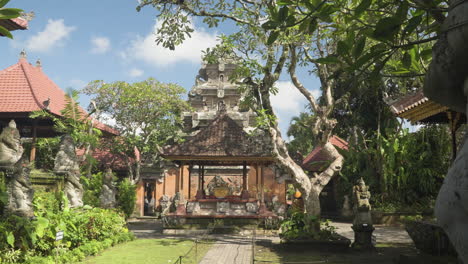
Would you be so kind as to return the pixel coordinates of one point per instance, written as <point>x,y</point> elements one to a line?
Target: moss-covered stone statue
<point>446,83</point>
<point>108,191</point>
<point>66,164</point>
<point>20,191</point>
<point>10,146</point>
<point>362,224</point>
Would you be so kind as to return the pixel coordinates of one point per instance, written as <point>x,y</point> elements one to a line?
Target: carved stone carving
<point>10,145</point>
<point>20,191</point>
<point>362,224</point>
<point>252,207</point>
<point>447,83</point>
<point>222,207</point>
<point>193,207</point>
<point>165,203</point>
<point>362,207</point>
<point>217,182</point>
<point>66,163</point>
<point>108,190</point>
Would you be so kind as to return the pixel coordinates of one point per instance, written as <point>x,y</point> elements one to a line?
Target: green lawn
<point>268,253</point>
<point>151,251</point>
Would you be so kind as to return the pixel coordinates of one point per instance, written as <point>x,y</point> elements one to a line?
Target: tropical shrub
<point>126,197</point>
<point>404,168</point>
<point>92,189</point>
<point>298,226</point>
<point>86,231</point>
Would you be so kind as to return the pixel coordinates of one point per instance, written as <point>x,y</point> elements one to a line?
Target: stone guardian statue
<point>11,149</point>
<point>108,190</point>
<point>362,224</point>
<point>66,164</point>
<point>20,191</point>
<point>446,83</point>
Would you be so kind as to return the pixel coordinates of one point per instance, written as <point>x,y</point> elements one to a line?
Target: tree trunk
<point>310,187</point>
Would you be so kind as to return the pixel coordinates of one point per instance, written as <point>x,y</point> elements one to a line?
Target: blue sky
<point>82,41</point>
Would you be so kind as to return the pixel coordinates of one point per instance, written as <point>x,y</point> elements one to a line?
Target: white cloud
<point>54,34</point>
<point>288,98</point>
<point>146,49</point>
<point>100,44</point>
<point>136,72</point>
<point>289,102</point>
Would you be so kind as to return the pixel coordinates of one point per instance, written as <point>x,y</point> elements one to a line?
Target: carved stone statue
<point>362,207</point>
<point>20,191</point>
<point>362,224</point>
<point>108,190</point>
<point>446,83</point>
<point>165,203</point>
<point>66,163</point>
<point>10,145</point>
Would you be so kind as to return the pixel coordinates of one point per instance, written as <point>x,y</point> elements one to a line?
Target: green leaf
<point>41,224</point>
<point>406,60</point>
<point>402,11</point>
<point>269,25</point>
<point>359,47</point>
<point>342,48</point>
<point>272,38</point>
<point>284,2</point>
<point>3,3</point>
<point>5,32</point>
<point>7,13</point>
<point>328,60</point>
<point>312,26</point>
<point>413,23</point>
<point>386,28</point>
<point>426,54</point>
<point>11,239</point>
<point>362,7</point>
<point>283,13</point>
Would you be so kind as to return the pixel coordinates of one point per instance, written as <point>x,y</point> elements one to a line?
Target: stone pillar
<point>200,192</point>
<point>181,210</point>
<point>262,209</point>
<point>245,191</point>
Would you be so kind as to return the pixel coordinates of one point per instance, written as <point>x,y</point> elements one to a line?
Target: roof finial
<point>23,54</point>
<point>39,64</point>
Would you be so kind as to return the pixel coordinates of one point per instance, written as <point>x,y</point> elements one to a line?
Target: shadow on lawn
<point>267,252</point>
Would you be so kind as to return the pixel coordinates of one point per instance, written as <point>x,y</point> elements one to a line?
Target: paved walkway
<point>230,250</point>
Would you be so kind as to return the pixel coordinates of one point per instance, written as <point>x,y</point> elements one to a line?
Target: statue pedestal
<point>200,194</point>
<point>181,210</point>
<point>363,237</point>
<point>245,194</point>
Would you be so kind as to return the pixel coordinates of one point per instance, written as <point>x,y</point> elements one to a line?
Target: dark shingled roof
<point>223,137</point>
<point>416,107</point>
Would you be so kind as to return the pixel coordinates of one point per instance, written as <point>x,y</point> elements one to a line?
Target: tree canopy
<point>147,113</point>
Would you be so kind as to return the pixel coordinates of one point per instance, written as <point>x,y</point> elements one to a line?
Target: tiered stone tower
<point>211,91</point>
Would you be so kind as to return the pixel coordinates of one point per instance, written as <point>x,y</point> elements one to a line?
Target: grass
<point>152,251</point>
<point>269,253</point>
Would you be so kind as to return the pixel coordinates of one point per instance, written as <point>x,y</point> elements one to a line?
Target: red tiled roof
<point>14,23</point>
<point>25,88</point>
<point>107,158</point>
<point>316,158</point>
